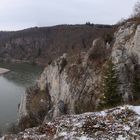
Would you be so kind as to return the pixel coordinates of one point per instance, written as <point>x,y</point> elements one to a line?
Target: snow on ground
<point>120,123</point>
<point>135,109</point>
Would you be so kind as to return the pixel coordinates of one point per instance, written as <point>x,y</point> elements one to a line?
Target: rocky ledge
<point>120,123</point>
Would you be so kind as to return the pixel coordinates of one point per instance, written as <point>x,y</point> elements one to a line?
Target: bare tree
<point>136,11</point>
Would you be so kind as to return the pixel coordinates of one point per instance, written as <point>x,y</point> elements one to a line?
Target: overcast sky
<point>19,14</point>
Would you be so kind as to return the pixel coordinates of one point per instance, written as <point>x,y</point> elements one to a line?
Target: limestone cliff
<point>71,84</point>
<point>126,57</point>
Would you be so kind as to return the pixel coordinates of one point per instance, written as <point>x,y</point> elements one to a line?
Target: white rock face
<point>76,85</point>
<point>23,108</point>
<point>56,83</point>
<point>136,44</point>
<point>126,55</point>
<point>62,88</point>
<point>70,84</point>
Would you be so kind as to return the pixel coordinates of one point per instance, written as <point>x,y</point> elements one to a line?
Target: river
<point>12,88</point>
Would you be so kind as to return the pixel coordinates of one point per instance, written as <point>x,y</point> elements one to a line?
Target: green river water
<point>12,88</point>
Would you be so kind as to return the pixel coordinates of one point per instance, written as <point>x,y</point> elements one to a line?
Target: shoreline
<point>3,71</point>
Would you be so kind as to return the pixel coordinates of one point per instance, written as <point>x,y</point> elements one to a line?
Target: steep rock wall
<point>126,57</point>
<point>71,84</point>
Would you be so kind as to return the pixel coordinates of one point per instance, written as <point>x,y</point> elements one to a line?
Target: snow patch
<point>136,109</point>
<point>126,128</point>
<point>120,137</point>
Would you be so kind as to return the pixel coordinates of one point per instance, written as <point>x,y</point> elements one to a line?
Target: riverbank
<point>3,71</point>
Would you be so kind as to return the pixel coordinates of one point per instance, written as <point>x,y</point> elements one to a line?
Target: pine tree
<point>109,85</point>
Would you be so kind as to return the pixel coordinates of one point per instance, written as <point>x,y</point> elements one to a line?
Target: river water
<point>12,88</point>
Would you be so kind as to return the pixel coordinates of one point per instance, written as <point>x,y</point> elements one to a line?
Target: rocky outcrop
<point>72,84</point>
<point>120,123</point>
<point>126,57</point>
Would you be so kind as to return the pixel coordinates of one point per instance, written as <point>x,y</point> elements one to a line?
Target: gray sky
<point>19,14</point>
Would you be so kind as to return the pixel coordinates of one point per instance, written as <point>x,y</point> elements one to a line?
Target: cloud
<point>18,14</point>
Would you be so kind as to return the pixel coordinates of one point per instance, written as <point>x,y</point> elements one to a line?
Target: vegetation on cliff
<point>109,86</point>
<point>42,45</point>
